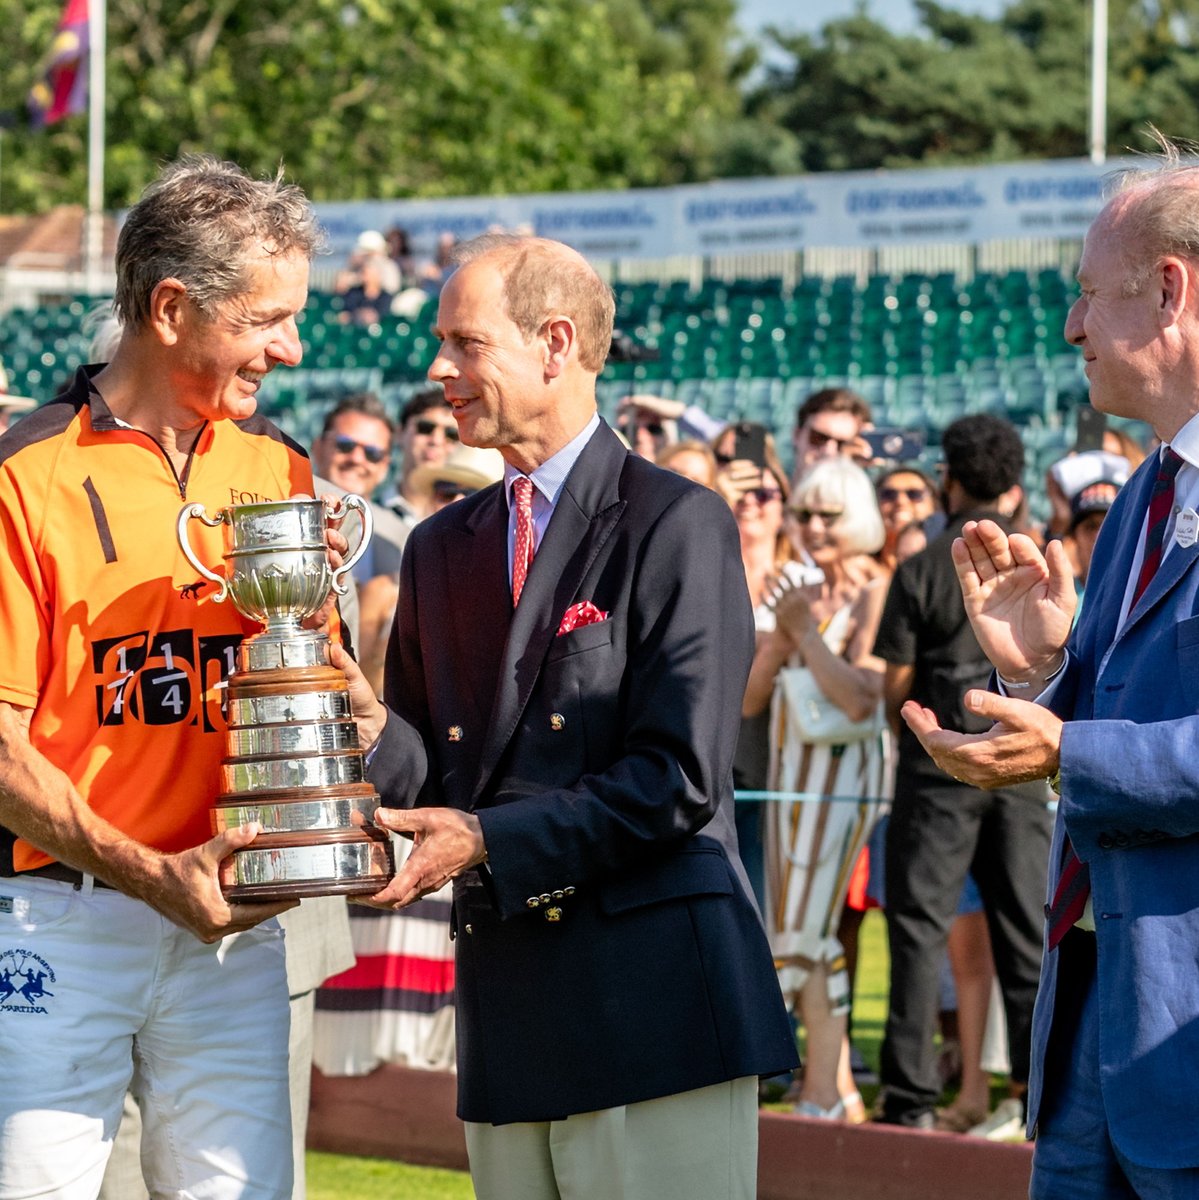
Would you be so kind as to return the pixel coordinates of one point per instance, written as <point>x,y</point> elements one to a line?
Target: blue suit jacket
<point>1130,801</point>
<point>611,952</point>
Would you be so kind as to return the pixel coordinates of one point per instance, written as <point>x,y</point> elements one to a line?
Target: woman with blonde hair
<point>828,757</point>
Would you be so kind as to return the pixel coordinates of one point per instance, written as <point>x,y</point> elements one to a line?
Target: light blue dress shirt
<point>548,481</point>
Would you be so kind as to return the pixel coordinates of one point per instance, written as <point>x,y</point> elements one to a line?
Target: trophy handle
<point>197,511</point>
<point>336,513</point>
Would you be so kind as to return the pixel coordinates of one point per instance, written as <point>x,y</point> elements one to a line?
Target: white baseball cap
<point>372,241</point>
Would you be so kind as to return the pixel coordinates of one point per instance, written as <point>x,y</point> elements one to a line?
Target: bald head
<point>544,279</point>
<point>1154,212</point>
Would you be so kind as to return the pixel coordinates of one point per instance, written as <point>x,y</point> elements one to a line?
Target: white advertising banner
<point>856,209</point>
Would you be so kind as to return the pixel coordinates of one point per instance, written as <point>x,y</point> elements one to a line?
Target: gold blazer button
<point>557,722</point>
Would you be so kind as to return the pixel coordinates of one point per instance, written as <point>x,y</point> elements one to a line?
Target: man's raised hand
<point>1020,602</point>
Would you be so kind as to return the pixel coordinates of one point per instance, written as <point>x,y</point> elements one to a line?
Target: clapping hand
<point>792,607</point>
<point>1024,743</point>
<point>1020,603</point>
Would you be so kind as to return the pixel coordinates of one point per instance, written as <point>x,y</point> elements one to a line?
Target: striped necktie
<point>1161,505</point>
<point>522,558</point>
<point>1074,886</point>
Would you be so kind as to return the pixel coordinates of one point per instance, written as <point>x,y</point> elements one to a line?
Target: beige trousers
<point>702,1145</point>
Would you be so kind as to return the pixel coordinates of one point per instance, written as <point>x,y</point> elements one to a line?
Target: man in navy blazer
<point>570,757</point>
<point>1113,1099</point>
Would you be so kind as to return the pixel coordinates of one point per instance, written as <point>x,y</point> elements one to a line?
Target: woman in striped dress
<point>829,793</point>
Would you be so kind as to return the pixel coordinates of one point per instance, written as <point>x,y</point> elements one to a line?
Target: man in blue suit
<point>1112,1095</point>
<point>563,689</point>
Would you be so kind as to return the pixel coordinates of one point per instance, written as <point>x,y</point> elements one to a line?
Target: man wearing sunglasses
<point>352,455</point>
<point>829,424</point>
<point>428,432</point>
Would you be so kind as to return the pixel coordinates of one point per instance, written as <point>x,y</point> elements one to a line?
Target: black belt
<point>61,872</point>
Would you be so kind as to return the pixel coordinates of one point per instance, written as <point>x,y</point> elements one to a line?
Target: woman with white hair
<point>829,749</point>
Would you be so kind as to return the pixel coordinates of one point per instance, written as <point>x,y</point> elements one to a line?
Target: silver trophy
<point>292,762</point>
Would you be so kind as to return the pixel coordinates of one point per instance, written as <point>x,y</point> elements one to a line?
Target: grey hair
<point>1158,210</point>
<point>201,222</point>
<point>842,484</point>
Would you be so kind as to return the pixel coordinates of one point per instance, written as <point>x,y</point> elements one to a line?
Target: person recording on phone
<point>829,424</point>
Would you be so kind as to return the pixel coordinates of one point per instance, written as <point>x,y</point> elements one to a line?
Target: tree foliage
<point>966,88</point>
<point>391,98</point>
<point>382,98</point>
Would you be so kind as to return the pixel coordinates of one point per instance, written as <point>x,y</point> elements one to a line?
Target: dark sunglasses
<point>346,445</point>
<point>827,515</point>
<point>445,489</point>
<point>428,428</point>
<point>914,494</point>
<point>816,440</point>
<point>763,495</point>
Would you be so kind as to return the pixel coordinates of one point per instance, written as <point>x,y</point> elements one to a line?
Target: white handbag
<point>809,716</point>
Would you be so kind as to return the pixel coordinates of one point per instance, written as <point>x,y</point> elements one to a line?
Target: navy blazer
<point>610,952</point>
<point>1130,801</point>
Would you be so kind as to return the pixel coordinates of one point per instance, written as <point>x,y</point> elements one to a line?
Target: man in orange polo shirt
<point>120,959</point>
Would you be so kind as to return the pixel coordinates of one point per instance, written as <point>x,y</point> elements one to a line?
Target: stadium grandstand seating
<point>923,349</point>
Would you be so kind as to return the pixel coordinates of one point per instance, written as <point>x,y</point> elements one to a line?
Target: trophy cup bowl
<point>292,762</point>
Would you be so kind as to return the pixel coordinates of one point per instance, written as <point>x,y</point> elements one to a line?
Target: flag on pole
<point>62,89</point>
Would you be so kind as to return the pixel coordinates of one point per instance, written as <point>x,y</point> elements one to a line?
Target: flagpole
<point>94,245</point>
<point>1098,137</point>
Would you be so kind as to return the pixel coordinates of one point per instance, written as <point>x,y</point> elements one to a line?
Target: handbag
<point>804,713</point>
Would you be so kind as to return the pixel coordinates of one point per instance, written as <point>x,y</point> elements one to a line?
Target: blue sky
<point>809,15</point>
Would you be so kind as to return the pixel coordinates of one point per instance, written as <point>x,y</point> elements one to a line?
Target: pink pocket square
<point>578,615</point>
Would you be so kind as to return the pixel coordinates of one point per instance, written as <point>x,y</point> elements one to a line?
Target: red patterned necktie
<point>1070,896</point>
<point>1161,505</point>
<point>1074,886</point>
<point>522,558</point>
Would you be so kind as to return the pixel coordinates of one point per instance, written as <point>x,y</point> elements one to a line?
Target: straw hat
<point>472,467</point>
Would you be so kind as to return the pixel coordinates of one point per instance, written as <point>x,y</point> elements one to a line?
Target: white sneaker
<point>1005,1124</point>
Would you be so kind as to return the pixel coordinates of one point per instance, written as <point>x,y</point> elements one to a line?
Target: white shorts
<point>97,992</point>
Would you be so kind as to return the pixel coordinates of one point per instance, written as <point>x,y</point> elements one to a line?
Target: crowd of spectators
<point>852,583</point>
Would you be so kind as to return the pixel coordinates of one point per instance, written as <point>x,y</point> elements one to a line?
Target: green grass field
<point>335,1177</point>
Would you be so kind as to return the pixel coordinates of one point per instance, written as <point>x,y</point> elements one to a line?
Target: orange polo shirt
<point>106,631</point>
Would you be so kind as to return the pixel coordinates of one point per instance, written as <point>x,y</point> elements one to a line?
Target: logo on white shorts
<point>23,979</point>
